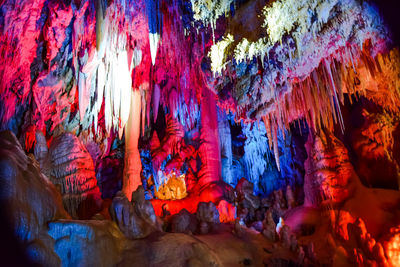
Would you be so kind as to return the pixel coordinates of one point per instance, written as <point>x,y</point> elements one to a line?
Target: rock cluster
<point>135,219</point>
<point>30,201</point>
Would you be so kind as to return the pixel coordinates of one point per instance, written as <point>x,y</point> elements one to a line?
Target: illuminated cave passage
<point>199,133</point>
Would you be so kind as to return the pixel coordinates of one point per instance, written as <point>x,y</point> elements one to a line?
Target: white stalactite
<point>154,39</point>
<point>110,65</point>
<point>124,85</point>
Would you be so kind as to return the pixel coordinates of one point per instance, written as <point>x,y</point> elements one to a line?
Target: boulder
<point>183,222</point>
<point>207,212</point>
<point>208,216</point>
<point>135,219</point>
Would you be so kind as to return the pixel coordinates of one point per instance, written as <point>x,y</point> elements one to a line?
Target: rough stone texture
<point>225,142</point>
<point>244,190</point>
<point>183,222</point>
<point>390,247</point>
<point>172,189</point>
<point>248,203</point>
<point>170,250</point>
<point>34,203</point>
<point>288,239</point>
<point>143,207</point>
<point>109,173</point>
<point>227,211</point>
<point>136,219</point>
<point>41,151</point>
<point>290,199</point>
<point>328,170</point>
<point>207,212</point>
<point>87,243</point>
<point>72,168</point>
<point>269,227</point>
<point>344,224</point>
<point>60,65</point>
<point>29,200</point>
<point>208,217</point>
<point>244,187</point>
<point>374,143</point>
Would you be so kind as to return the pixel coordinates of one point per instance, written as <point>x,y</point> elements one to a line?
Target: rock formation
<point>29,201</point>
<point>199,133</point>
<point>70,167</point>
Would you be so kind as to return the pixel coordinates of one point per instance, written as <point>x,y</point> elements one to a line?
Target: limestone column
<point>133,165</point>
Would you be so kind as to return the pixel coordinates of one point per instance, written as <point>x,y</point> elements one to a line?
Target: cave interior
<point>199,133</point>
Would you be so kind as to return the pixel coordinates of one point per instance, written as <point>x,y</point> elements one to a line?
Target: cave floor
<point>224,247</point>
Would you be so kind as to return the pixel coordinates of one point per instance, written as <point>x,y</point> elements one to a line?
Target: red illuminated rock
<point>227,212</point>
<point>329,174</point>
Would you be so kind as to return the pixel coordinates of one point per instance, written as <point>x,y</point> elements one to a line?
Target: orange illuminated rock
<point>392,246</point>
<point>227,212</point>
<point>174,188</point>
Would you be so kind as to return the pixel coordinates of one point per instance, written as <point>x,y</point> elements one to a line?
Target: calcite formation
<point>135,219</point>
<point>71,168</point>
<point>329,173</point>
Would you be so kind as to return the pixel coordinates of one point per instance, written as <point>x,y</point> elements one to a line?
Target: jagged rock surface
<point>87,243</point>
<point>29,200</point>
<point>135,219</point>
<point>72,169</point>
<point>208,216</point>
<point>183,222</point>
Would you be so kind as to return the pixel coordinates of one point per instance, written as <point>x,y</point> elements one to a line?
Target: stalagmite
<point>133,166</point>
<point>209,149</point>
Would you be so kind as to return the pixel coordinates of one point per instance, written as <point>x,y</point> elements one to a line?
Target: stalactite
<point>155,26</point>
<point>105,72</point>
<point>225,142</point>
<point>154,38</point>
<point>276,149</point>
<point>156,101</point>
<point>266,120</point>
<point>255,152</point>
<point>209,11</point>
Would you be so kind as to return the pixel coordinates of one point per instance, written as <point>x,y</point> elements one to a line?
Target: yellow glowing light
<point>174,188</point>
